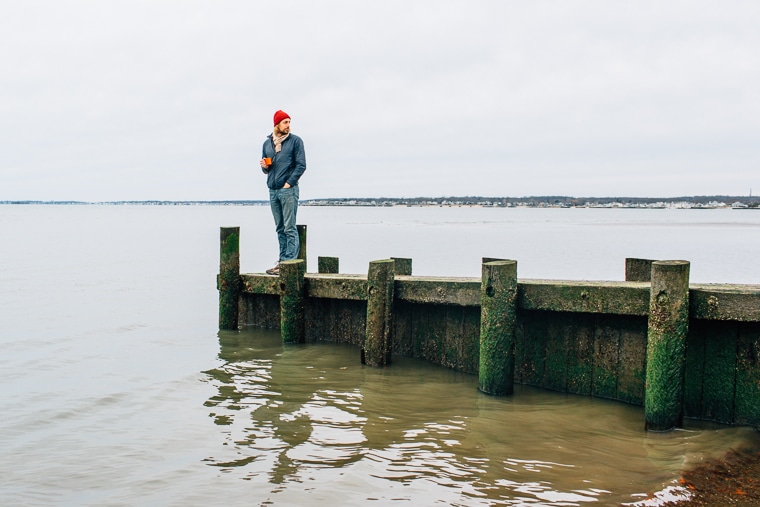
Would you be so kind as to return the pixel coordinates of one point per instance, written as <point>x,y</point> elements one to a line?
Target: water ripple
<point>298,415</point>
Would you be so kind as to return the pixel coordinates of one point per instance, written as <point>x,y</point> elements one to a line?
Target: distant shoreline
<point>695,202</point>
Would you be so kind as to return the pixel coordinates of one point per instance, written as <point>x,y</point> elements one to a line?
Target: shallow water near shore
<point>310,424</point>
<point>119,389</point>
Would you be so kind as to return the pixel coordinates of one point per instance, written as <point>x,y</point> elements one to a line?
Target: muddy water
<point>117,389</point>
<point>310,424</point>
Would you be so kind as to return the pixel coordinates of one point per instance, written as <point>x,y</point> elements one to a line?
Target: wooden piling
<point>302,244</point>
<point>498,322</point>
<point>667,327</point>
<point>229,277</point>
<point>328,265</point>
<point>377,342</point>
<point>403,266</point>
<point>638,270</point>
<point>292,300</point>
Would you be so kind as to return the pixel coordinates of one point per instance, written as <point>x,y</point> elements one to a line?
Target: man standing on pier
<point>283,160</point>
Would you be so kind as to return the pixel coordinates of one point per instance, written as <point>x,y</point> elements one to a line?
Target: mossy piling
<point>667,327</point>
<point>638,270</point>
<point>327,265</point>
<point>498,320</point>
<point>377,343</point>
<point>302,230</point>
<point>403,266</point>
<point>229,277</point>
<point>292,300</point>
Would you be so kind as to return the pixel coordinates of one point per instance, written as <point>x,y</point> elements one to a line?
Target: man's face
<point>284,126</point>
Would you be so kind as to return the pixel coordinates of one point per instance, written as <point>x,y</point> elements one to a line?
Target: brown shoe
<point>274,271</point>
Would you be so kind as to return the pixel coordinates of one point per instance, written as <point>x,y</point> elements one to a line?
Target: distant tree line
<point>537,201</point>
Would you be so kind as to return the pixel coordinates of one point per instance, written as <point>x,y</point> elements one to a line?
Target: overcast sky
<point>158,99</point>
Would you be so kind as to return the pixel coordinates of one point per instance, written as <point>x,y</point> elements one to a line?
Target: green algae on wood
<point>710,373</point>
<point>260,284</point>
<point>580,359</point>
<point>336,321</point>
<point>229,277</point>
<point>328,265</point>
<point>292,300</point>
<point>377,343</point>
<point>666,345</point>
<point>530,348</point>
<point>434,290</point>
<point>302,229</point>
<point>725,302</point>
<point>606,358</point>
<point>334,286</point>
<point>403,266</point>
<point>555,368</point>
<point>259,310</point>
<point>720,369</point>
<point>620,298</point>
<point>443,334</point>
<point>747,408</point>
<point>632,362</point>
<point>498,321</point>
<point>638,270</point>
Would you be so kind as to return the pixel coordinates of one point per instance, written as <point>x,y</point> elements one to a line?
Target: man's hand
<point>287,185</point>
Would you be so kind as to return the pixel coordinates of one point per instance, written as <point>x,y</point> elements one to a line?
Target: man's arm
<point>264,166</point>
<point>299,155</point>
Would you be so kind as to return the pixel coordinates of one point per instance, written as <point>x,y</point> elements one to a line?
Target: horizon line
<point>466,197</point>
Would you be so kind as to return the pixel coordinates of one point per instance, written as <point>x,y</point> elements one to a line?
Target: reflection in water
<point>310,424</point>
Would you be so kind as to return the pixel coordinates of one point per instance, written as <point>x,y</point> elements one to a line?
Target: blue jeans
<point>284,204</point>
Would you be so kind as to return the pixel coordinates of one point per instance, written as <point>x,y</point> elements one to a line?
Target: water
<point>118,388</point>
<point>575,244</point>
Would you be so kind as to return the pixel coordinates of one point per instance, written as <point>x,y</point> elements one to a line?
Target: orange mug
<point>268,161</point>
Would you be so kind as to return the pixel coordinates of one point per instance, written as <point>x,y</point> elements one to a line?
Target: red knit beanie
<point>279,116</point>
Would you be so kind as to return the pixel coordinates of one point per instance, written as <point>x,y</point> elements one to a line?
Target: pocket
<point>289,195</point>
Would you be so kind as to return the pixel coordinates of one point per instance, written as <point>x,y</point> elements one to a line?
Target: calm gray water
<point>119,390</point>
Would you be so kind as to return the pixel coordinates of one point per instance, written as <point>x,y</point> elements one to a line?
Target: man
<point>283,160</point>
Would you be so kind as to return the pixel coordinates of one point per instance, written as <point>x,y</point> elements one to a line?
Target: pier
<point>653,339</point>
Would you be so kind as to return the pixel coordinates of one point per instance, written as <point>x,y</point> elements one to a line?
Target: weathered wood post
<point>328,265</point>
<point>638,270</point>
<point>377,341</point>
<point>666,344</point>
<point>229,277</point>
<point>292,301</point>
<point>498,320</point>
<point>403,266</point>
<point>302,244</point>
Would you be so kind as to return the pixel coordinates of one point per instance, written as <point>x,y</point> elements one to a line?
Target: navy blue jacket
<point>288,165</point>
